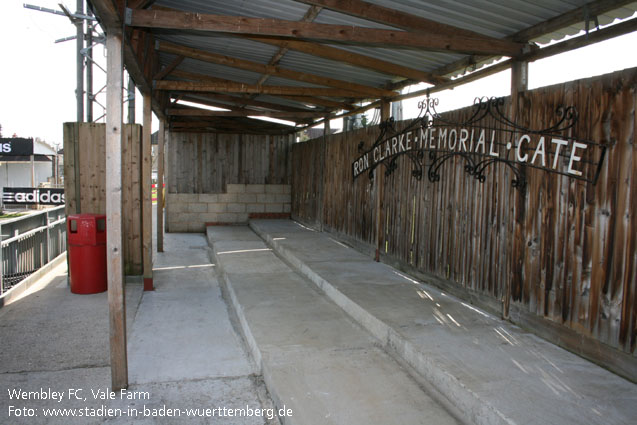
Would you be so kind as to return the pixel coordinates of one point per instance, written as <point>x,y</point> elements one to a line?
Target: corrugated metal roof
<point>332,69</point>
<point>496,18</point>
<point>281,9</point>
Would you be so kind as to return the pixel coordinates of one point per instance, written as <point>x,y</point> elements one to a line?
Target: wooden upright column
<point>519,78</point>
<point>147,203</point>
<point>160,188</point>
<point>320,217</point>
<point>379,181</point>
<point>519,84</point>
<point>115,271</point>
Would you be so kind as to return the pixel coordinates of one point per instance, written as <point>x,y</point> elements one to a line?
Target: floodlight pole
<point>79,91</point>
<point>89,68</point>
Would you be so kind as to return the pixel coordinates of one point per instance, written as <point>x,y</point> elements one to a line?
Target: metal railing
<point>29,243</point>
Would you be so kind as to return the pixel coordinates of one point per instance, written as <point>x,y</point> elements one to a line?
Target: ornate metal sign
<point>485,139</point>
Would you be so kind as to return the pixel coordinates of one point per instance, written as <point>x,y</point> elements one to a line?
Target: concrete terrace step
<point>494,372</point>
<point>314,359</point>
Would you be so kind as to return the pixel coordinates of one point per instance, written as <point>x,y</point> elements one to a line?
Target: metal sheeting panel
<point>496,18</point>
<point>284,101</point>
<point>219,71</point>
<point>278,81</point>
<point>329,68</point>
<point>222,44</point>
<point>280,9</point>
<point>412,58</point>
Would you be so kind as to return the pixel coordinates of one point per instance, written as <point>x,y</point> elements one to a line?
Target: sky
<point>37,75</point>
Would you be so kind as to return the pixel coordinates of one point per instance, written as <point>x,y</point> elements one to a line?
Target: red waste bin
<point>87,252</point>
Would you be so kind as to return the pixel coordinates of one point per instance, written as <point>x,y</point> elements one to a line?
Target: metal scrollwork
<point>486,138</point>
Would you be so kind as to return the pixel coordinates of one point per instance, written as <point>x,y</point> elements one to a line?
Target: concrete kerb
<point>454,394</point>
<point>236,306</point>
<point>15,292</point>
<point>262,369</point>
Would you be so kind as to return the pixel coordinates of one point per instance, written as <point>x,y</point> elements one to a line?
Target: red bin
<point>87,252</point>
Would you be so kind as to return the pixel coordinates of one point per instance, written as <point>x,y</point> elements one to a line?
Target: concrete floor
<point>315,359</point>
<point>332,335</point>
<point>493,371</point>
<point>183,350</point>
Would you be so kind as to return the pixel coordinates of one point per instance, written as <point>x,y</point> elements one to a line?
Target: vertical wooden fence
<point>85,182</point>
<point>566,249</point>
<point>207,162</point>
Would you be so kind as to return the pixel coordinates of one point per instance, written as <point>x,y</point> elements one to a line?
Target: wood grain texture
<point>114,263</point>
<point>160,187</point>
<point>296,30</point>
<point>207,162</point>
<point>146,202</point>
<point>566,248</point>
<point>90,142</point>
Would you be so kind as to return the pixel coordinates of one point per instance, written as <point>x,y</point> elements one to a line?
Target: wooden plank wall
<point>567,248</point>
<point>89,140</point>
<point>207,162</point>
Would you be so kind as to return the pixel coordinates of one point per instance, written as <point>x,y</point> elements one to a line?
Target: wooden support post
<point>131,101</point>
<point>321,207</point>
<point>160,188</point>
<point>519,84</point>
<point>379,181</point>
<point>147,203</point>
<point>519,78</point>
<point>115,271</point>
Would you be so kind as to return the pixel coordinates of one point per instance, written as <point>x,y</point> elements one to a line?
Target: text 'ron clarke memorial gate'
<point>488,137</point>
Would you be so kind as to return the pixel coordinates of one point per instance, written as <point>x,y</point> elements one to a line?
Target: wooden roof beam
<point>311,30</point>
<point>169,68</point>
<point>233,87</point>
<point>194,112</point>
<point>185,98</point>
<point>242,102</point>
<point>564,20</point>
<point>237,121</point>
<point>328,103</point>
<point>140,4</point>
<point>108,13</point>
<point>319,101</point>
<point>395,18</point>
<point>237,103</point>
<point>597,36</point>
<point>340,55</point>
<point>361,61</point>
<point>571,17</point>
<point>220,124</point>
<point>247,65</point>
<point>309,16</point>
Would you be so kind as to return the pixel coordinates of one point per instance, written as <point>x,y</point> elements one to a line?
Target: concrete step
<point>314,359</point>
<point>493,371</point>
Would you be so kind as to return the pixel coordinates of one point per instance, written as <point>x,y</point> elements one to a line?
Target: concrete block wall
<point>189,212</point>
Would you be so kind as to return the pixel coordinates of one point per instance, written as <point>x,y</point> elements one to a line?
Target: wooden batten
<point>160,187</point>
<point>147,204</point>
<point>379,183</point>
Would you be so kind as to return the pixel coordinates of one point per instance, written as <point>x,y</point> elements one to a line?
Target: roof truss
<point>306,36</point>
<point>313,31</point>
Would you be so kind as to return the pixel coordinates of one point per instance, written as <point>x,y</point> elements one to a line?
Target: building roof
<point>301,60</point>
